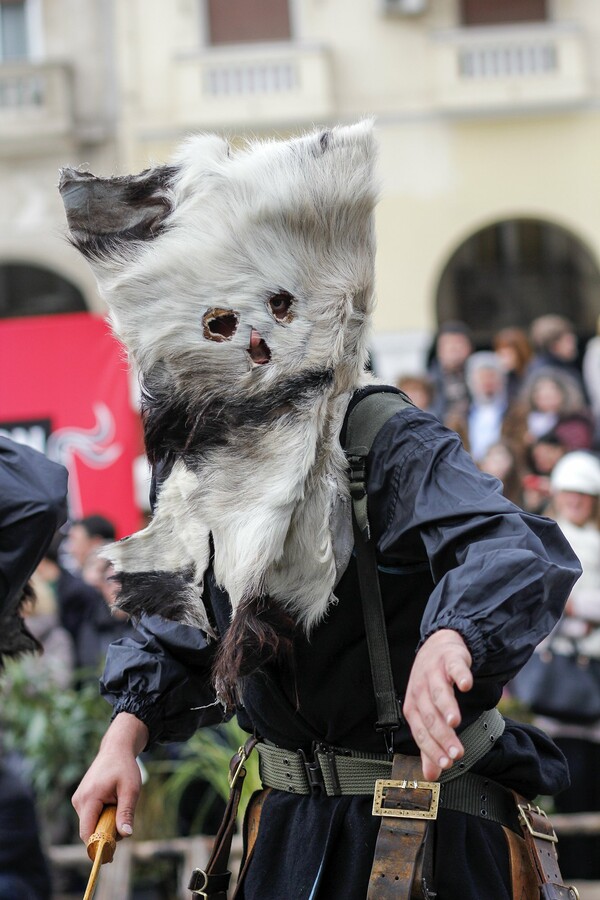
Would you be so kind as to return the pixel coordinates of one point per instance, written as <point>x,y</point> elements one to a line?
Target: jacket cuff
<point>469,632</point>
<point>144,709</point>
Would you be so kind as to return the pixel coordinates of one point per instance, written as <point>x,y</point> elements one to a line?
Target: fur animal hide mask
<point>241,283</point>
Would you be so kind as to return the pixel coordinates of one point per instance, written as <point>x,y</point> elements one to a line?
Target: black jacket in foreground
<point>33,505</point>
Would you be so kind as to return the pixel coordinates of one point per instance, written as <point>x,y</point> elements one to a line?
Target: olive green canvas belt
<point>336,771</point>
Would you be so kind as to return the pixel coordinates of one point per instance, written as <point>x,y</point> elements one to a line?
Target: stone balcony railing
<point>509,67</point>
<point>252,85</point>
<point>36,102</point>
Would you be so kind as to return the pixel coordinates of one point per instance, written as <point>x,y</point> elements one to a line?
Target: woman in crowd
<point>546,396</point>
<point>57,663</point>
<point>419,388</point>
<point>515,352</point>
<point>501,461</point>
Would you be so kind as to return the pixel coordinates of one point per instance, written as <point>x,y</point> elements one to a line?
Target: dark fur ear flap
<point>105,213</point>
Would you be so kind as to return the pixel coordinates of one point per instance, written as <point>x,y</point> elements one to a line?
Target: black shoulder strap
<point>365,420</point>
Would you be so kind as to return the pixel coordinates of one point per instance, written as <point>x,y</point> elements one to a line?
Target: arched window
<point>516,270</point>
<point>30,290</point>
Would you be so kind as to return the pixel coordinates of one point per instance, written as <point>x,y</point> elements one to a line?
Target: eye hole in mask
<point>219,324</point>
<point>280,305</point>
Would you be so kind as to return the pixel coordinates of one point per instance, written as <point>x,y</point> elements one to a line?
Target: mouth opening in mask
<point>259,351</point>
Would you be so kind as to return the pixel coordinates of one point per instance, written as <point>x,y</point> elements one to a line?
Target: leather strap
<point>540,842</point>
<point>403,852</point>
<point>212,882</point>
<point>386,699</point>
<point>251,826</point>
<point>523,878</point>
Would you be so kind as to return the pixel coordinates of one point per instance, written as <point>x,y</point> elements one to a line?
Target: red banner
<point>65,390</point>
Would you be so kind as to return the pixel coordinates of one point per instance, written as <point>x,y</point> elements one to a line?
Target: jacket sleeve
<point>33,505</point>
<point>500,576</point>
<point>161,674</point>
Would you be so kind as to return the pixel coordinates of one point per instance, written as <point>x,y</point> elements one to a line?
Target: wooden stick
<point>101,846</point>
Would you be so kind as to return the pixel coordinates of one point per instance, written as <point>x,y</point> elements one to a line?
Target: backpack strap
<point>365,420</point>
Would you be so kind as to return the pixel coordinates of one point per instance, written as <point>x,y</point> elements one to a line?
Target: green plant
<point>57,731</point>
<point>205,757</point>
<point>512,708</point>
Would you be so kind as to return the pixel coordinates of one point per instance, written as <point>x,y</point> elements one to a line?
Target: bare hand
<point>430,706</point>
<point>113,778</point>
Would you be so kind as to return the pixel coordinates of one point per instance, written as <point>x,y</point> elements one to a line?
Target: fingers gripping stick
<point>101,846</point>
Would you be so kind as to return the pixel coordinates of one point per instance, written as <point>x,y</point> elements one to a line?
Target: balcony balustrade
<point>36,102</point>
<point>503,68</point>
<point>252,85</point>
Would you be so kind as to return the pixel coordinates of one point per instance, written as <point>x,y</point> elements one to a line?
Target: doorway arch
<point>27,289</point>
<point>513,271</point>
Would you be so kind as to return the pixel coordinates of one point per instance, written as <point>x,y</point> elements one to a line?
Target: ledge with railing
<point>36,99</point>
<point>252,84</point>
<point>504,67</point>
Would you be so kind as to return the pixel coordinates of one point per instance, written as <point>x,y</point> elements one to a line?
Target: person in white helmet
<point>575,484</point>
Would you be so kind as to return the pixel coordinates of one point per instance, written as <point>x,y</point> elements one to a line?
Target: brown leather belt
<point>402,867</point>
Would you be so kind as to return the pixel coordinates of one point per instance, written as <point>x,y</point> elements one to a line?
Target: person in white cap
<point>575,484</point>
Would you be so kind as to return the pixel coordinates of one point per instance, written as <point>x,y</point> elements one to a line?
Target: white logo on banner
<point>93,446</point>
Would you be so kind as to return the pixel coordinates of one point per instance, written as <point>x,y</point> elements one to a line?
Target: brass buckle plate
<point>538,834</point>
<point>381,785</point>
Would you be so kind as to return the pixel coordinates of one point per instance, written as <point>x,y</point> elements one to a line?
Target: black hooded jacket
<point>33,505</point>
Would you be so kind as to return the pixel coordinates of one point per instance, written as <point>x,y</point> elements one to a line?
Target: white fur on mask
<point>200,262</point>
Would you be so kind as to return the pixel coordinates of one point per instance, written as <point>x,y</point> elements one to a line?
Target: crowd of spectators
<point>79,581</point>
<point>528,411</point>
<point>518,406</point>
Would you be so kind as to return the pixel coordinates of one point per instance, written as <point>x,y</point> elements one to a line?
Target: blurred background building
<point>488,118</point>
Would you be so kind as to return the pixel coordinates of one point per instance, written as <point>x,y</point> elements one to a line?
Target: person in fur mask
<point>241,283</point>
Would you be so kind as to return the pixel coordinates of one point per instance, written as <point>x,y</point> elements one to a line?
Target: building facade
<point>487,114</point>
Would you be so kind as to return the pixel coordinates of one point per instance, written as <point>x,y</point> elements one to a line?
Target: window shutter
<point>245,21</point>
<point>496,12</point>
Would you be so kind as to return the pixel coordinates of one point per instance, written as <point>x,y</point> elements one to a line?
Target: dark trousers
<point>579,855</point>
<point>322,849</point>
<point>14,888</point>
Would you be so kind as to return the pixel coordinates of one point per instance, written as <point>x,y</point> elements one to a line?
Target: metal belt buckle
<point>381,785</point>
<point>236,774</point>
<point>523,810</point>
<point>196,886</point>
<point>313,772</point>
